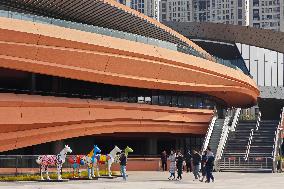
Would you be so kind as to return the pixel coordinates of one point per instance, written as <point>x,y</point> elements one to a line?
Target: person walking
<point>123,161</point>
<point>196,160</point>
<point>203,162</point>
<point>172,170</point>
<point>179,160</point>
<point>164,160</point>
<point>188,161</point>
<point>209,165</point>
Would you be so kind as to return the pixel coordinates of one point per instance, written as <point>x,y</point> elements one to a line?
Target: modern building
<point>265,14</point>
<point>147,7</point>
<point>173,10</point>
<point>220,11</point>
<point>217,11</point>
<point>258,52</point>
<point>96,72</point>
<point>282,16</point>
<point>245,139</point>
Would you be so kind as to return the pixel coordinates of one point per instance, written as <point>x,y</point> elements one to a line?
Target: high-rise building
<point>265,14</point>
<point>282,16</point>
<point>147,7</point>
<point>176,10</point>
<point>219,11</point>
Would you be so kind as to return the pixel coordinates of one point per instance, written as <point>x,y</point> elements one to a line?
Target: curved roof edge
<point>104,13</point>
<point>263,38</point>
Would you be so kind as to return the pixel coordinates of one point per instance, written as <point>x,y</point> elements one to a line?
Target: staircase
<point>235,149</point>
<point>216,135</point>
<point>260,155</point>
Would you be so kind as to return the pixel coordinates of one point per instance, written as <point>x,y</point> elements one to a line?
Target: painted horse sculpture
<point>127,150</point>
<point>107,159</point>
<point>90,160</point>
<point>76,161</point>
<point>53,160</point>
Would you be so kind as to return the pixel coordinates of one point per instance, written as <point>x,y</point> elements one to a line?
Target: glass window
<point>174,101</point>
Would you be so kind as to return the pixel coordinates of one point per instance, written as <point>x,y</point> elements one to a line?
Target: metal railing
<point>251,135</point>
<point>277,141</point>
<point>223,140</point>
<point>209,131</point>
<point>19,164</point>
<point>235,119</point>
<point>250,163</point>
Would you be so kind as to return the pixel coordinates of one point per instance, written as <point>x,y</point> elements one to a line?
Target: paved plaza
<point>158,180</point>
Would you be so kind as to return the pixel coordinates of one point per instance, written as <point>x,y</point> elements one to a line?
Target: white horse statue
<point>53,160</point>
<point>107,159</point>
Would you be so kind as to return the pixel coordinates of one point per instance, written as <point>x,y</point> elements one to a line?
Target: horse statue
<point>53,160</point>
<point>89,160</point>
<point>127,150</point>
<point>76,161</point>
<point>107,159</point>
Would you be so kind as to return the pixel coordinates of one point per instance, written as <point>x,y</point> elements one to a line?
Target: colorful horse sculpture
<point>89,160</point>
<point>127,150</point>
<point>107,159</point>
<point>53,160</point>
<point>76,161</point>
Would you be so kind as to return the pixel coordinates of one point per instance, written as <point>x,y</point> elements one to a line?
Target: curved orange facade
<point>37,119</point>
<point>46,49</point>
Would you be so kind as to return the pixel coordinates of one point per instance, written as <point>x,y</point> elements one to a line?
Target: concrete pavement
<point>158,180</point>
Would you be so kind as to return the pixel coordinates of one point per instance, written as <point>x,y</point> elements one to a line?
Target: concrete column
<point>57,146</point>
<point>152,146</point>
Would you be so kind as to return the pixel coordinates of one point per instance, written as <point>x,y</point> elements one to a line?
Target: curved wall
<point>37,119</point>
<point>47,49</point>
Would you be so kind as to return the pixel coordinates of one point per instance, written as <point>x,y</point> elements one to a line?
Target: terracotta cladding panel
<point>168,70</point>
<point>32,124</point>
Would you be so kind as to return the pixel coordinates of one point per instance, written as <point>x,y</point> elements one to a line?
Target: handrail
<point>277,141</point>
<point>209,131</point>
<point>235,119</point>
<point>251,136</point>
<point>232,162</point>
<point>258,120</point>
<point>223,141</point>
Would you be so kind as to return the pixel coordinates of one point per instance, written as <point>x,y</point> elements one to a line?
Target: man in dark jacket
<point>196,160</point>
<point>164,160</point>
<point>209,165</point>
<point>188,161</point>
<point>179,160</point>
<point>123,161</point>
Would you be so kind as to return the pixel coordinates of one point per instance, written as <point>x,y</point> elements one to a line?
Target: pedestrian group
<point>194,162</point>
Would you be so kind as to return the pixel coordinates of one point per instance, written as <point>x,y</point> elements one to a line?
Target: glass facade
<point>57,86</point>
